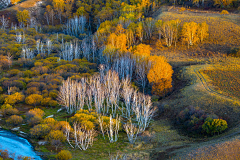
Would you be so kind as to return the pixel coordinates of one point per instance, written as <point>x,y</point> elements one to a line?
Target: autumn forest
<point>120,79</point>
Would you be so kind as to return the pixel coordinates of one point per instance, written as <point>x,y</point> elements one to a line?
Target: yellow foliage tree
<point>40,131</point>
<point>35,112</point>
<point>49,121</point>
<point>203,31</point>
<point>58,6</point>
<point>7,109</point>
<point>14,120</point>
<point>23,16</point>
<point>190,32</point>
<point>160,75</point>
<point>142,50</point>
<point>86,119</point>
<point>56,135</point>
<point>14,98</point>
<point>68,8</point>
<point>139,31</point>
<point>34,99</point>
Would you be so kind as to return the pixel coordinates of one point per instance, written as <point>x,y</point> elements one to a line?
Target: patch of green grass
<point>42,149</point>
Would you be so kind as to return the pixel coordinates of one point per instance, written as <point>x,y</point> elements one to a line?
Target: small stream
<point>16,146</point>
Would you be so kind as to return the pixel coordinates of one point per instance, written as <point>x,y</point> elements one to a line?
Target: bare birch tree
<point>83,138</point>
<point>4,22</point>
<point>131,130</point>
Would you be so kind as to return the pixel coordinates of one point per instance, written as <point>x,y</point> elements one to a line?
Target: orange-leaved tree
<point>142,50</point>
<point>160,75</point>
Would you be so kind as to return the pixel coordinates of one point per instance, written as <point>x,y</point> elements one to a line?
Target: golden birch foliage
<point>189,32</point>
<point>23,16</point>
<point>130,37</point>
<point>58,5</point>
<point>118,41</point>
<point>119,29</point>
<point>158,25</point>
<point>110,50</point>
<point>112,39</point>
<point>139,31</point>
<point>81,11</point>
<point>160,75</point>
<point>68,8</point>
<point>86,119</point>
<point>142,50</point>
<point>203,31</point>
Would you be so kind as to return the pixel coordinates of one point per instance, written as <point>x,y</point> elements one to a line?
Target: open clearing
<point>206,78</point>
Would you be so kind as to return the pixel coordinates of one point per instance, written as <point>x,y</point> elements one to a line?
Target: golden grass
<point>229,150</point>
<point>223,30</point>
<point>199,93</point>
<point>23,5</point>
<point>224,77</point>
<point>224,33</point>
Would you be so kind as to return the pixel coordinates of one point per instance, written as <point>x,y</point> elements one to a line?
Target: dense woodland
<point>93,62</point>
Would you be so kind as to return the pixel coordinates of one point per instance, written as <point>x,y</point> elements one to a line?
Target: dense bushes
<point>7,109</point>
<point>85,118</point>
<point>235,52</point>
<point>197,121</point>
<point>56,135</point>
<point>14,120</point>
<point>34,116</point>
<point>40,131</point>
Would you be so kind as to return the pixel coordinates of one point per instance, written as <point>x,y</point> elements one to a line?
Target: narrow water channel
<point>16,146</point>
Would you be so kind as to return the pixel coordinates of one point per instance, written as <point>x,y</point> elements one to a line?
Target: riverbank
<point>17,146</point>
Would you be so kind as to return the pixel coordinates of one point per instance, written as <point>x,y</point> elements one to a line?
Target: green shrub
<point>212,126</point>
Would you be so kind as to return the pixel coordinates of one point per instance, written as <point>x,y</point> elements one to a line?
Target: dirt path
<point>181,152</point>
<point>205,85</point>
